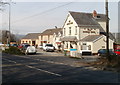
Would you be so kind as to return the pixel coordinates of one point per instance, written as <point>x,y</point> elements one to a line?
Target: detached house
<point>82,31</point>
<point>31,38</point>
<point>51,36</point>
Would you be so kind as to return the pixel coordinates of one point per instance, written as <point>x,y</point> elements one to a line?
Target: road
<point>51,68</point>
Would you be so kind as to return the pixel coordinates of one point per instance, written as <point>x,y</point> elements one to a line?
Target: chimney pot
<point>94,13</point>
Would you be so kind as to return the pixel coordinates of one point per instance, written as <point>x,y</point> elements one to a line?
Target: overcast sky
<point>28,17</point>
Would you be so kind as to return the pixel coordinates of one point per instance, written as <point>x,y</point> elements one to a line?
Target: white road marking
<point>35,68</point>
<point>43,70</point>
<point>10,60</point>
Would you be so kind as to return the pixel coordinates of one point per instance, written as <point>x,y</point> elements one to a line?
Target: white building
<point>82,31</point>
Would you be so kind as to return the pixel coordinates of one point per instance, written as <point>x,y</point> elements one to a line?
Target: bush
<point>113,63</point>
<point>13,50</point>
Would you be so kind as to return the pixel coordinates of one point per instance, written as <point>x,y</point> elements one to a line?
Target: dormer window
<point>98,17</point>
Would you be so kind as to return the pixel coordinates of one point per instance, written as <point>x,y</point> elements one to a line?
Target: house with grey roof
<point>31,38</point>
<point>51,36</point>
<point>82,31</point>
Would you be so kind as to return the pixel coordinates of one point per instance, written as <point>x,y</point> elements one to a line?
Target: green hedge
<point>13,50</point>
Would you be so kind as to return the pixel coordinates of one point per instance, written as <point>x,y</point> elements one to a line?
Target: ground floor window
<point>89,47</point>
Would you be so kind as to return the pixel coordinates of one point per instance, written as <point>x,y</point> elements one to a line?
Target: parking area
<point>58,57</point>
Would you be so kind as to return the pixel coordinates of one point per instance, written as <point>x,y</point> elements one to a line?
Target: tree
<point>4,37</point>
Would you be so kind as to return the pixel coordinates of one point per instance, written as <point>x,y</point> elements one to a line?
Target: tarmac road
<point>41,68</point>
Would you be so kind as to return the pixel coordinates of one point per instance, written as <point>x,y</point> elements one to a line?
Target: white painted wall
<point>73,26</point>
<point>103,25</point>
<point>101,44</point>
<point>83,35</point>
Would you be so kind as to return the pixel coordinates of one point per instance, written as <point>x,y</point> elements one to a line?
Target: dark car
<point>103,52</point>
<point>14,45</point>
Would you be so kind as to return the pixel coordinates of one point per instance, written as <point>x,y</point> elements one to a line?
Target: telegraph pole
<point>9,22</point>
<point>107,31</point>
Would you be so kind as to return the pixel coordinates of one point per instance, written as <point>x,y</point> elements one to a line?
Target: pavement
<point>44,67</point>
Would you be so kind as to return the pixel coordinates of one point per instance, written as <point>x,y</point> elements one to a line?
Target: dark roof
<point>111,36</point>
<point>69,38</point>
<point>51,31</point>
<point>87,18</point>
<point>32,36</point>
<point>91,38</point>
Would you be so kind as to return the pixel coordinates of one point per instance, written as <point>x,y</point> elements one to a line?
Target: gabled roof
<point>69,38</point>
<point>51,31</point>
<point>32,36</point>
<point>91,38</point>
<point>87,19</point>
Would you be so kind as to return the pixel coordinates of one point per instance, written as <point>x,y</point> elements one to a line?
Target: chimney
<point>56,27</point>
<point>94,13</point>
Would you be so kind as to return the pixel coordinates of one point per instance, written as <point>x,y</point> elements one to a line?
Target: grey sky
<point>30,17</point>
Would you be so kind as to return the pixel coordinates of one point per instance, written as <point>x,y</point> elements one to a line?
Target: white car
<point>27,49</point>
<point>48,47</point>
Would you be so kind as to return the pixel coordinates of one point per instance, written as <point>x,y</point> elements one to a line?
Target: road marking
<point>43,70</point>
<point>10,60</point>
<point>35,68</point>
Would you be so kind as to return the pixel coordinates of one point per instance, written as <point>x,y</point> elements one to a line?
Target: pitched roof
<point>69,38</point>
<point>91,38</point>
<point>51,31</point>
<point>32,36</point>
<point>87,18</point>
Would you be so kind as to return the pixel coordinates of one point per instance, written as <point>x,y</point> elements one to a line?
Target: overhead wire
<point>41,13</point>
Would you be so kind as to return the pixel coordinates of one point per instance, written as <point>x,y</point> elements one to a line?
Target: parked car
<point>48,47</point>
<point>14,45</point>
<point>27,49</point>
<point>20,46</point>
<point>117,51</point>
<point>103,52</point>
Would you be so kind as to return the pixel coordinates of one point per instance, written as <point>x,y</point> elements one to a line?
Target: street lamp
<point>9,21</point>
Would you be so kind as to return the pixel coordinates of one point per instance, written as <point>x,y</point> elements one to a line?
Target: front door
<point>33,43</point>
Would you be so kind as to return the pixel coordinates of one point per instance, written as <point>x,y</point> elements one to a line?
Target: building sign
<point>89,31</point>
<point>58,42</point>
<point>69,23</point>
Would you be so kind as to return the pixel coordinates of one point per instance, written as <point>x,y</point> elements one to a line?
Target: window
<point>75,30</point>
<point>89,47</point>
<point>29,42</point>
<point>69,30</point>
<point>84,43</point>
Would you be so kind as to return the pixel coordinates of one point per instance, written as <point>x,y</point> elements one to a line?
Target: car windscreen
<point>27,46</point>
<point>49,45</point>
<point>117,50</point>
